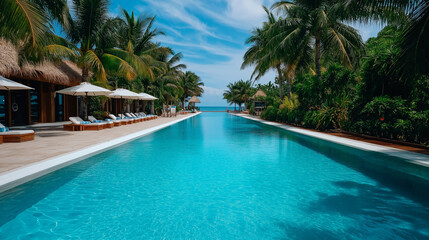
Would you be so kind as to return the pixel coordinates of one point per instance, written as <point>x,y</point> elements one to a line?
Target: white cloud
<point>177,10</point>
<point>221,50</point>
<point>242,14</point>
<point>213,91</point>
<point>217,75</point>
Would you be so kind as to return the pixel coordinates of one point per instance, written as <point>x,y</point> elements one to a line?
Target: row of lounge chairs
<point>7,135</point>
<point>113,121</point>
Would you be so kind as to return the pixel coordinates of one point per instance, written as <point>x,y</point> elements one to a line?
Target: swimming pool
<point>216,176</point>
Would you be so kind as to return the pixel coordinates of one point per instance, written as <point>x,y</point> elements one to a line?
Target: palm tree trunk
<point>288,89</point>
<point>279,71</point>
<point>84,105</point>
<point>85,74</point>
<point>184,99</point>
<point>317,56</point>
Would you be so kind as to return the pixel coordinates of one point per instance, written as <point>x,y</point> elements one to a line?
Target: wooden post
<point>29,104</point>
<point>51,99</point>
<point>152,109</point>
<point>9,109</point>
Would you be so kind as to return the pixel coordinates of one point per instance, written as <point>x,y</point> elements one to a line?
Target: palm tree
<point>29,20</point>
<point>228,95</point>
<point>414,57</point>
<point>93,37</point>
<point>238,92</point>
<point>191,85</point>
<point>91,28</point>
<point>136,45</point>
<point>260,55</point>
<point>264,57</point>
<point>167,84</point>
<point>242,91</point>
<point>317,25</point>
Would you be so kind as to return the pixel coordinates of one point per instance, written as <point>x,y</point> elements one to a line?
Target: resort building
<point>42,104</point>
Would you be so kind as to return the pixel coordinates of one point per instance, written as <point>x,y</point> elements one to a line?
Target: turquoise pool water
<point>216,176</point>
<point>223,109</point>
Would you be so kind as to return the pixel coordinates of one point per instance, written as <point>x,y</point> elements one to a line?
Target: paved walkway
<point>51,143</point>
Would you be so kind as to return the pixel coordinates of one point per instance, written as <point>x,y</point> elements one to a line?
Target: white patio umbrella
<point>149,97</point>
<point>85,89</point>
<point>124,94</point>
<point>7,84</point>
<point>145,96</point>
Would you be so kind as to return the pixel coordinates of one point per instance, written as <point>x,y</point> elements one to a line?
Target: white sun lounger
<point>124,121</point>
<point>130,115</point>
<point>16,135</point>
<point>108,124</point>
<point>86,125</point>
<point>131,120</point>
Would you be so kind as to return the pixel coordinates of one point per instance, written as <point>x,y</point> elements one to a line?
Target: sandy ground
<point>51,143</point>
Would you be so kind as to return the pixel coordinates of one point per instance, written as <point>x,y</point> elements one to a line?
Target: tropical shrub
<point>101,115</point>
<point>329,117</point>
<point>310,119</point>
<point>270,113</point>
<point>386,109</point>
<point>288,111</point>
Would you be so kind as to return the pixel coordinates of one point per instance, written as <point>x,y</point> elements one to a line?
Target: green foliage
<point>238,92</point>
<point>310,119</point>
<point>335,82</point>
<point>290,104</point>
<point>387,92</point>
<point>420,93</point>
<point>270,113</point>
<point>333,116</point>
<point>387,108</point>
<point>101,115</point>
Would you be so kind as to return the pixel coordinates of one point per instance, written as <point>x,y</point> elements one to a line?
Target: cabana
<point>41,104</point>
<point>258,102</point>
<point>121,94</point>
<point>147,97</point>
<point>85,89</point>
<point>194,100</point>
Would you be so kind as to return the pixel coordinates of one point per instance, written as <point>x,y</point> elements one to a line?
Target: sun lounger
<point>79,125</point>
<point>123,121</point>
<point>131,120</point>
<point>128,116</point>
<point>131,115</point>
<point>150,116</point>
<point>107,124</point>
<point>144,118</point>
<point>115,122</point>
<point>15,135</point>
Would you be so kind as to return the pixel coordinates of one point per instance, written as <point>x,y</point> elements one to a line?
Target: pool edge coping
<point>16,177</point>
<point>412,157</point>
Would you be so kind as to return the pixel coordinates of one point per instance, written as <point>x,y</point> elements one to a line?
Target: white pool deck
<point>52,150</point>
<point>418,159</point>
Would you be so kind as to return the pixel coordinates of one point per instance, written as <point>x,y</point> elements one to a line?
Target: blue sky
<point>211,35</point>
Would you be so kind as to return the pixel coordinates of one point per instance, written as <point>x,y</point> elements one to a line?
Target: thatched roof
<point>259,93</point>
<point>62,73</point>
<point>194,99</point>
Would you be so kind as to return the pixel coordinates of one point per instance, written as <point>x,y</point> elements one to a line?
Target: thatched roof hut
<point>259,93</point>
<point>194,99</point>
<point>62,73</point>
